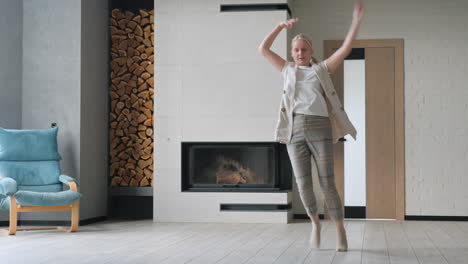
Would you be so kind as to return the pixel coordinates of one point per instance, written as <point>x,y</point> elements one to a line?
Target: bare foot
<point>341,241</point>
<point>315,235</point>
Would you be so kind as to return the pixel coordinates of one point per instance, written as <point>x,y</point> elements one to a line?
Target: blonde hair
<point>308,40</point>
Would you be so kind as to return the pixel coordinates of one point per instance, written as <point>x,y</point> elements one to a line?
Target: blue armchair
<point>30,177</point>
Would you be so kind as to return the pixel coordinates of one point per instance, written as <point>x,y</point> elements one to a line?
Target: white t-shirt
<point>308,98</point>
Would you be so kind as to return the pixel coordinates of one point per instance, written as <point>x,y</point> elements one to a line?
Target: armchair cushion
<point>41,188</point>
<point>5,203</point>
<point>7,187</point>
<point>30,160</point>
<point>29,145</point>
<point>33,195</point>
<point>31,172</point>
<point>46,198</point>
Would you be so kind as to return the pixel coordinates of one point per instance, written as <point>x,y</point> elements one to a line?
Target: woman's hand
<point>337,58</point>
<point>265,46</point>
<point>358,10</point>
<point>289,23</point>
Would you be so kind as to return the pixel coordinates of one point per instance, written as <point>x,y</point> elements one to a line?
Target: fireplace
<point>235,166</point>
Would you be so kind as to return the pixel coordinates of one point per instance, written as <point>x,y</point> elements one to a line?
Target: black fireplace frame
<point>282,169</point>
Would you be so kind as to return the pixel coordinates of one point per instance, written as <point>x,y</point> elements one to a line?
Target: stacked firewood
<point>131,94</point>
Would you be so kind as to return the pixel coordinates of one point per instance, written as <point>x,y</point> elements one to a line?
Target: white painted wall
<point>51,80</point>
<point>11,52</point>
<point>94,151</point>
<point>65,80</point>
<point>436,89</point>
<point>211,85</point>
<point>436,123</point>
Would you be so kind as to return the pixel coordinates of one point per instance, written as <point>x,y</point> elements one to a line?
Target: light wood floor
<point>147,242</point>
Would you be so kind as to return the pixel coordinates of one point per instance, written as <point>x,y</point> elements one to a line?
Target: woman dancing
<point>311,118</point>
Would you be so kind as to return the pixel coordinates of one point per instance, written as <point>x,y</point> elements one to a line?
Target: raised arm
<point>335,60</point>
<point>265,46</point>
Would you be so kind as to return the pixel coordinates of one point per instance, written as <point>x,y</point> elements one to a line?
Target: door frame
<point>398,44</point>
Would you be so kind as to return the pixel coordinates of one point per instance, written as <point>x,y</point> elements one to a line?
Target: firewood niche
<point>131,95</point>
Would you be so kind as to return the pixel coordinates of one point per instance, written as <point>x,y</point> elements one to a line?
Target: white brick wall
<point>192,64</point>
<point>211,85</point>
<point>436,90</point>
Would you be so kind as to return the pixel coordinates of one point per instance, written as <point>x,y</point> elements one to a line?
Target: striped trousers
<point>312,139</point>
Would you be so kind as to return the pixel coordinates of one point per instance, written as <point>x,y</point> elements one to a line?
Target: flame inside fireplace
<point>231,171</point>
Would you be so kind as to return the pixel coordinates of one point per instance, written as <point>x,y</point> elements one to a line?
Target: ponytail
<point>313,60</point>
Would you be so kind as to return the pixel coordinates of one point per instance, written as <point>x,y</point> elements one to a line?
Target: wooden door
<point>380,133</point>
<point>384,127</point>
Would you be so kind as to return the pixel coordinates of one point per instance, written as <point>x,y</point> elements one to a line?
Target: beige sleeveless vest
<point>341,126</point>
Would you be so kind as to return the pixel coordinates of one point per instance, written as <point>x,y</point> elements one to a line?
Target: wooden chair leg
<point>13,216</point>
<point>75,217</point>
